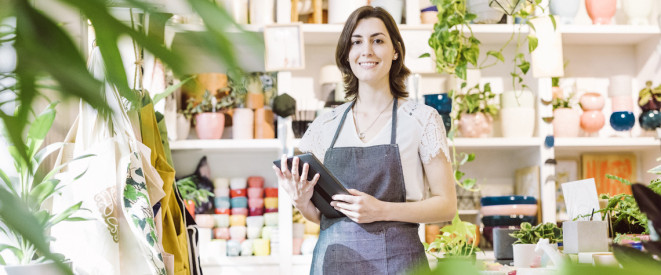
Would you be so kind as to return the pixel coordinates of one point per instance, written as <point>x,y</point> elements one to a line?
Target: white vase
<point>394,7</point>
<point>183,127</point>
<point>566,10</point>
<point>242,123</point>
<point>485,13</point>
<point>520,99</point>
<point>261,12</point>
<point>566,122</point>
<point>525,255</point>
<point>517,122</point>
<point>339,10</point>
<point>637,11</point>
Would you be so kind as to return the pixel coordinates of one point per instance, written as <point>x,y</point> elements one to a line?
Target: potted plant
<point>29,219</point>
<point>208,113</point>
<point>566,120</point>
<point>191,194</point>
<point>475,111</point>
<point>458,240</point>
<point>527,238</point>
<point>243,118</point>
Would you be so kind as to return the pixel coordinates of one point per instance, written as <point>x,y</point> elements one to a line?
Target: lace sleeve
<point>433,139</point>
<point>317,137</point>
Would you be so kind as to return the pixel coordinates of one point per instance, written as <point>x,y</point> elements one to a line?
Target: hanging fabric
<point>119,236</point>
<point>175,239</point>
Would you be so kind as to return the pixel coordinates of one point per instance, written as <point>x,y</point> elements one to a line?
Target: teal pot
<point>48,268</point>
<point>566,10</point>
<point>485,13</point>
<point>650,120</point>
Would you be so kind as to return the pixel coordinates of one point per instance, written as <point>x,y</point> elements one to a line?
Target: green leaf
<point>471,157</point>
<point>458,174</point>
<point>42,124</point>
<point>532,43</point>
<point>555,25</point>
<point>525,66</point>
<point>424,55</point>
<point>497,54</point>
<point>531,25</point>
<point>8,182</point>
<point>41,192</point>
<point>65,214</point>
<point>170,90</point>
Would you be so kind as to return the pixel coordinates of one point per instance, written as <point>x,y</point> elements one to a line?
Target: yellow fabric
<point>174,229</point>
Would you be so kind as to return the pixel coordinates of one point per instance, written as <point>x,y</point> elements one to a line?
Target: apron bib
<point>347,247</point>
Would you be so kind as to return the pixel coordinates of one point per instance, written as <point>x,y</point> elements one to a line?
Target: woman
<point>390,152</point>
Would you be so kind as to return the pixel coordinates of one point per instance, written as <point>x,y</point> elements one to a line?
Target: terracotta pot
<point>264,124</point>
<point>209,125</point>
<point>592,121</point>
<point>190,206</point>
<point>566,122</point>
<point>478,125</point>
<point>592,101</point>
<point>601,11</point>
<point>254,100</point>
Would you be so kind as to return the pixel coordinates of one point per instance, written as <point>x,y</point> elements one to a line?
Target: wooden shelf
<point>606,144</point>
<point>253,145</point>
<point>328,34</point>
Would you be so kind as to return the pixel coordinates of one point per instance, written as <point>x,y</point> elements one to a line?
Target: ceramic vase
<point>566,122</point>
<point>339,10</point>
<point>592,119</point>
<point>566,10</point>
<point>622,121</point>
<point>601,11</point>
<point>209,125</point>
<point>242,124</point>
<point>394,7</point>
<point>517,122</point>
<point>650,120</point>
<point>485,13</point>
<point>183,126</point>
<point>525,255</point>
<point>429,15</point>
<point>637,11</point>
<point>477,125</point>
<point>262,12</point>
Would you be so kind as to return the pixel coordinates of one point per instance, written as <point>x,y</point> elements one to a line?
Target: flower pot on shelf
<point>242,123</point>
<point>254,100</point>
<point>566,122</point>
<point>525,255</point>
<point>183,127</point>
<point>637,11</point>
<point>566,10</point>
<point>264,127</point>
<point>209,125</point>
<point>477,125</point>
<point>622,121</point>
<point>650,120</point>
<point>601,11</point>
<point>517,122</point>
<point>592,119</point>
<point>485,13</point>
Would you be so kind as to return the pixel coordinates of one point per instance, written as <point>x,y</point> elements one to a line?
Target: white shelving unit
<point>592,51</point>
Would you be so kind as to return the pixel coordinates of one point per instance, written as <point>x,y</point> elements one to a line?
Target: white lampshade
<point>330,74</point>
<point>619,85</point>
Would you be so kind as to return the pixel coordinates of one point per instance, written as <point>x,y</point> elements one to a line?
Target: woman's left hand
<point>359,207</point>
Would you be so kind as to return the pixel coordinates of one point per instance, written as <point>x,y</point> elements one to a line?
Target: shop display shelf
<point>496,143</point>
<point>252,145</point>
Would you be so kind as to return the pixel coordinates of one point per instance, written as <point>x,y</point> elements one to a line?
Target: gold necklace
<point>361,135</point>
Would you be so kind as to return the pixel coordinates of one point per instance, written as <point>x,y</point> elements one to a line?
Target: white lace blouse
<point>420,136</point>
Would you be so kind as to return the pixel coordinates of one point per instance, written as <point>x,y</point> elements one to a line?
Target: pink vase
<point>566,122</point>
<point>476,125</point>
<point>592,101</point>
<point>209,125</point>
<point>600,11</point>
<point>622,103</point>
<point>592,121</point>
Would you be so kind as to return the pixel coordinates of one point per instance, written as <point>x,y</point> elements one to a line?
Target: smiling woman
<point>385,149</point>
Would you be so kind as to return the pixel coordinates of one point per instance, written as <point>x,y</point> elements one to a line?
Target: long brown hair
<point>398,71</point>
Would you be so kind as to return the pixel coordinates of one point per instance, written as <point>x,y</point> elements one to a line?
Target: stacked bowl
<point>506,212</point>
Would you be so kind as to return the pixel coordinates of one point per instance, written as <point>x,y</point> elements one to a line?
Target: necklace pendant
<point>361,136</point>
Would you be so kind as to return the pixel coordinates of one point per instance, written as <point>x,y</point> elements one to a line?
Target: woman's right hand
<point>297,186</point>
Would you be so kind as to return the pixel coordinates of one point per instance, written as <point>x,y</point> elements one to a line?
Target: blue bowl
<point>622,121</point>
<point>239,202</point>
<point>441,102</point>
<point>515,220</point>
<point>221,202</point>
<point>501,200</point>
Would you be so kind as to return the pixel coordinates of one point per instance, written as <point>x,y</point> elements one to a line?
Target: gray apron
<point>347,247</point>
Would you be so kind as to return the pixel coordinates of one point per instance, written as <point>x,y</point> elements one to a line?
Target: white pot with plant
<point>27,222</point>
<point>476,111</point>
<point>566,119</point>
<point>517,114</point>
<point>528,237</point>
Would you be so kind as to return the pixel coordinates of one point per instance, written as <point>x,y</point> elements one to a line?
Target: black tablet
<point>326,187</point>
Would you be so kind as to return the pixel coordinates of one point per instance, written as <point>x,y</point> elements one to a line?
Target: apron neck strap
<point>393,131</point>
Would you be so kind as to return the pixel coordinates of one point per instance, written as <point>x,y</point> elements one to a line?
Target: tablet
<point>326,186</point>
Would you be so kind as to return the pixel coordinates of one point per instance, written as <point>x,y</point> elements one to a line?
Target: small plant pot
<point>638,11</point>
<point>517,122</point>
<point>254,100</point>
<point>650,120</point>
<point>592,121</point>
<point>622,121</point>
<point>190,207</point>
<point>485,14</point>
<point>601,11</point>
<point>478,125</point>
<point>592,101</point>
<point>525,255</point>
<point>209,125</point>
<point>243,123</point>
<point>566,10</point>
<point>183,127</point>
<point>566,122</point>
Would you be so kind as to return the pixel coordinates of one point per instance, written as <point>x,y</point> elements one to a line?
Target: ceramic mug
<point>238,232</point>
<point>254,232</point>
<point>233,248</point>
<point>255,221</point>
<point>221,220</point>
<point>239,202</point>
<point>237,220</point>
<point>247,248</point>
<point>255,192</point>
<point>238,183</point>
<point>221,183</point>
<point>271,203</point>
<point>221,192</point>
<point>255,181</point>
<point>255,202</point>
<point>239,211</point>
<point>261,247</point>
<point>235,193</point>
<point>271,219</point>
